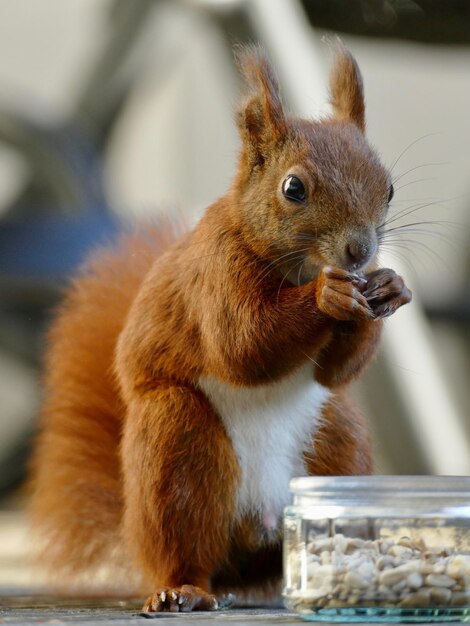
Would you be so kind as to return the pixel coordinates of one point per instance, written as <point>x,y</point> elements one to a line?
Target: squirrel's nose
<point>357,252</point>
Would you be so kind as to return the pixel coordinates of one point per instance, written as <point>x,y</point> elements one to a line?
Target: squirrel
<point>190,375</point>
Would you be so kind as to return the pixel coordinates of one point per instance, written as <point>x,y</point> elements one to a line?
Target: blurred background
<point>112,110</point>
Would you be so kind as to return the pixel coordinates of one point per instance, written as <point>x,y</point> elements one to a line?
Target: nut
<point>439,580</point>
<point>440,595</point>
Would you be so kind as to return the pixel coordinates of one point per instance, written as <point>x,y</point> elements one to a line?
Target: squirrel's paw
<point>180,599</point>
<point>386,292</point>
<point>339,295</point>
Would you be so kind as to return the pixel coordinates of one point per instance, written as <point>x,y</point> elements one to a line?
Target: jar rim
<point>379,486</point>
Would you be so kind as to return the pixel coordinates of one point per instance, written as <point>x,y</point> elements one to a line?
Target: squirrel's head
<point>310,193</point>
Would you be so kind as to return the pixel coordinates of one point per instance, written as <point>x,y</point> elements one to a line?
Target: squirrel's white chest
<point>270,427</point>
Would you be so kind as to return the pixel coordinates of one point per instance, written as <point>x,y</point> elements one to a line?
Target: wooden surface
<point>47,610</point>
<point>16,609</point>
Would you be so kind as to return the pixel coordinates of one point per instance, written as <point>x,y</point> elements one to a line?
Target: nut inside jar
<point>393,570</point>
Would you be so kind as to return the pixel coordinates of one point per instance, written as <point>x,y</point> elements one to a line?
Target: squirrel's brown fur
<point>133,462</point>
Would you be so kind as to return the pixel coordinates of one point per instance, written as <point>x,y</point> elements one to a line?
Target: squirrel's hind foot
<point>184,599</point>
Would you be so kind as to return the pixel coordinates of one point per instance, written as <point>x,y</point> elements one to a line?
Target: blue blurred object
<point>49,248</point>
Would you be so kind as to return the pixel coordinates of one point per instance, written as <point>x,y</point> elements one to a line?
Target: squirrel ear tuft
<point>346,88</point>
<point>260,117</point>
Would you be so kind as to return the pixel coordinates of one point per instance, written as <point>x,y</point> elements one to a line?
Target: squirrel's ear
<point>260,118</point>
<point>346,88</point>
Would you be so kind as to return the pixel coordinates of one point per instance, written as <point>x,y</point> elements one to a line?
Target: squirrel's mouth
<point>301,271</point>
<point>356,267</point>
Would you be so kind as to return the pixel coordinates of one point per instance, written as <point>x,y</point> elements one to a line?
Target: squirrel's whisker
<point>413,143</point>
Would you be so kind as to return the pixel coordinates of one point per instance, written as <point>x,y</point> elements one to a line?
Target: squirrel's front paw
<point>180,599</point>
<point>385,292</point>
<point>339,295</point>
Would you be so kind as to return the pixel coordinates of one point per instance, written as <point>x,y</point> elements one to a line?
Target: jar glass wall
<point>371,548</point>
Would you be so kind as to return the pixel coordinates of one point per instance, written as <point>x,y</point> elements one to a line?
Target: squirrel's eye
<point>391,191</point>
<point>293,189</point>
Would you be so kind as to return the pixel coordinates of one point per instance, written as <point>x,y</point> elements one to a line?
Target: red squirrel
<point>190,376</point>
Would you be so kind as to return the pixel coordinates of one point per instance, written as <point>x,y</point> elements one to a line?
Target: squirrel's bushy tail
<point>77,458</point>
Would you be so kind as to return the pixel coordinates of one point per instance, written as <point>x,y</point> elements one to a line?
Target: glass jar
<point>378,548</point>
